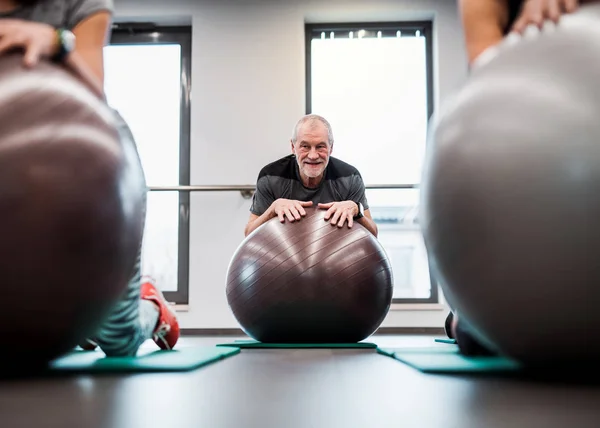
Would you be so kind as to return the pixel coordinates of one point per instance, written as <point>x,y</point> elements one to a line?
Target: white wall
<point>248,90</point>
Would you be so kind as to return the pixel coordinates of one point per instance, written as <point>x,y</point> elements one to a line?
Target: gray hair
<point>311,118</point>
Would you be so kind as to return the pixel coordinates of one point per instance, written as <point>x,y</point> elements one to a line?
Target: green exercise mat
<point>450,341</point>
<point>447,359</point>
<point>244,343</point>
<point>182,359</point>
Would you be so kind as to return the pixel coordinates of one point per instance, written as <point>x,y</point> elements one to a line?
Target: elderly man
<point>308,177</point>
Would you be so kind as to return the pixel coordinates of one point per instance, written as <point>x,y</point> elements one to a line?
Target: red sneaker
<point>166,333</point>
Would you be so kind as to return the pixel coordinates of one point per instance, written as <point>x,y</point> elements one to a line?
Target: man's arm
<point>368,222</point>
<point>483,24</point>
<point>282,208</point>
<point>262,202</point>
<point>256,221</point>
<point>358,195</point>
<point>342,212</point>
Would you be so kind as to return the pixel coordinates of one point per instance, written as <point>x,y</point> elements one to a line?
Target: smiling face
<point>312,149</point>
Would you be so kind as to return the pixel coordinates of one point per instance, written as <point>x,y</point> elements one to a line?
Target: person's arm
<point>91,36</point>
<point>483,24</point>
<point>358,193</point>
<point>40,40</point>
<point>267,205</point>
<point>255,221</point>
<point>262,200</point>
<point>282,208</point>
<point>367,221</point>
<point>342,212</point>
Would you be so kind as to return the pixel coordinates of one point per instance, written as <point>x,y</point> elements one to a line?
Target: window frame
<point>313,30</point>
<point>140,33</point>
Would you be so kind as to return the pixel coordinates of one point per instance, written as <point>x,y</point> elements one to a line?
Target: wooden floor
<point>298,388</point>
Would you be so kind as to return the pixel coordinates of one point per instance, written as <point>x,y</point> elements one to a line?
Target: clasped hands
<point>338,212</point>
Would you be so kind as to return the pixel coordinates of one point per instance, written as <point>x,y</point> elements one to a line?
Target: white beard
<point>311,172</point>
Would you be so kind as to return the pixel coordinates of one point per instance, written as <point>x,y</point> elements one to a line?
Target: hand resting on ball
<point>37,40</point>
<point>537,12</point>
<point>287,208</point>
<point>40,42</point>
<point>292,210</point>
<point>340,212</point>
<point>487,23</point>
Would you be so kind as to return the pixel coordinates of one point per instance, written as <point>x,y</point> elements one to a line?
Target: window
<point>147,76</point>
<point>373,82</point>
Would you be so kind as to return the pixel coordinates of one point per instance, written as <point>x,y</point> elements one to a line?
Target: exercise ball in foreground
<point>72,197</point>
<point>309,282</point>
<point>510,207</point>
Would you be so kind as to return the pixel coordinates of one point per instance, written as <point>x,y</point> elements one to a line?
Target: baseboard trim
<point>212,332</point>
<point>426,331</point>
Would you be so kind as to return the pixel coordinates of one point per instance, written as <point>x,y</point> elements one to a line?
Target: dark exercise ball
<point>72,195</point>
<point>510,207</point>
<point>309,282</point>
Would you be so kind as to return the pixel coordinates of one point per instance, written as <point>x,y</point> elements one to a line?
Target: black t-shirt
<point>281,179</point>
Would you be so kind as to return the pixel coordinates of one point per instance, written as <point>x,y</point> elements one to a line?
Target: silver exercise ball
<point>510,199</point>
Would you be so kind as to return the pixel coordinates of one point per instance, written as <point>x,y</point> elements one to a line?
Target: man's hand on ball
<point>37,40</point>
<point>340,212</point>
<point>290,209</point>
<point>537,12</point>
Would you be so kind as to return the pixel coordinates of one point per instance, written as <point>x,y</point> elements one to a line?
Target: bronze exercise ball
<point>72,200</point>
<point>309,281</point>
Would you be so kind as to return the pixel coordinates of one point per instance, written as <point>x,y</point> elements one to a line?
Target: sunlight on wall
<point>373,91</point>
<point>143,83</point>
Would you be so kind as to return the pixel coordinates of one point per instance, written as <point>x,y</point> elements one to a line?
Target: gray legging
<point>132,320</point>
<point>130,323</point>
